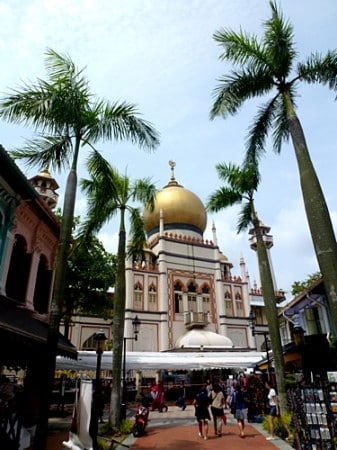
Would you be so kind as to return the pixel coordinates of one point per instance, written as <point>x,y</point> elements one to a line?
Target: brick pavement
<point>176,429</point>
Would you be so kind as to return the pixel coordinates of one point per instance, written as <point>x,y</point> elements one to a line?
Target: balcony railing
<point>195,319</point>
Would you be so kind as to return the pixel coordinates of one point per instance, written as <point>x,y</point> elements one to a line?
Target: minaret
<point>268,240</point>
<point>46,186</point>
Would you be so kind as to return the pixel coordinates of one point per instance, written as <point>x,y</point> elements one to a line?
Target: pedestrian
<point>274,413</point>
<point>201,404</point>
<point>239,404</point>
<point>181,398</point>
<point>217,406</point>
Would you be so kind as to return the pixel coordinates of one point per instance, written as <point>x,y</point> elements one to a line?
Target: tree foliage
<point>299,286</point>
<point>67,117</point>
<point>268,66</point>
<point>123,193</point>
<point>241,183</point>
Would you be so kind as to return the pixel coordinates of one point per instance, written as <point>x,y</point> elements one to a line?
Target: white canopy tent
<point>165,360</point>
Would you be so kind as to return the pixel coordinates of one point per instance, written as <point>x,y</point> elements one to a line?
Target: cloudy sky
<point>160,55</point>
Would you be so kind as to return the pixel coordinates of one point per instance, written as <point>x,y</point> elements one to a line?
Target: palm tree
<point>241,185</point>
<point>265,66</point>
<point>67,116</point>
<point>101,209</point>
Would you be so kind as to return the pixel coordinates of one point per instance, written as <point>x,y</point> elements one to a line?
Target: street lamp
<point>252,324</point>
<point>99,339</point>
<point>135,326</point>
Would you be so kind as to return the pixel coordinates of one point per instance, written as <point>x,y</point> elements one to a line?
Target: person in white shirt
<point>274,412</point>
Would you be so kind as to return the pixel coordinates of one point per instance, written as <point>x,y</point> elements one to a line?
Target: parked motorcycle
<point>141,419</point>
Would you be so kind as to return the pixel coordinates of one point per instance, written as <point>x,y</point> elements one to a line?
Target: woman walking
<point>218,401</point>
<point>274,413</point>
<point>201,404</point>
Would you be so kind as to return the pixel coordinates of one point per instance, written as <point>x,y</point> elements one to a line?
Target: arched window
<point>152,297</point>
<point>178,297</point>
<point>192,296</point>
<point>19,267</point>
<point>228,303</point>
<point>42,286</point>
<point>138,296</point>
<point>238,304</point>
<point>89,344</point>
<point>206,307</point>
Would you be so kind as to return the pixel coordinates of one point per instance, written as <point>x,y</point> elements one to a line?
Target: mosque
<point>184,292</point>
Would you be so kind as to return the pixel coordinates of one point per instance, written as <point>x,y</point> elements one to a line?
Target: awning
<point>165,360</point>
<point>22,334</point>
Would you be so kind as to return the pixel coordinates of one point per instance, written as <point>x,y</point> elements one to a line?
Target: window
<point>152,298</point>
<point>228,303</point>
<point>238,305</point>
<point>178,298</point>
<point>138,296</point>
<point>205,300</point>
<point>192,297</point>
<point>90,343</point>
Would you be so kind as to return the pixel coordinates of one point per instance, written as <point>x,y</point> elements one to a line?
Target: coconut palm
<point>265,66</point>
<point>241,185</point>
<point>67,116</point>
<point>101,209</point>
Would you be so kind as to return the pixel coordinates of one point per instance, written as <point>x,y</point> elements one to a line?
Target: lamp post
<point>100,339</point>
<point>135,326</point>
<point>298,335</point>
<point>252,324</point>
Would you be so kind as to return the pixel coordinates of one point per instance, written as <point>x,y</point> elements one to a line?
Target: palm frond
<point>222,198</point>
<point>240,48</point>
<point>103,174</point>
<point>281,131</point>
<point>258,132</point>
<point>51,105</point>
<point>138,237</point>
<point>120,121</point>
<point>320,69</point>
<point>278,43</point>
<point>49,151</point>
<point>144,191</point>
<point>245,216</point>
<point>233,90</point>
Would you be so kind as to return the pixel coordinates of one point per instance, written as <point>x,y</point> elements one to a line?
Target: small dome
<point>202,338</point>
<point>182,209</point>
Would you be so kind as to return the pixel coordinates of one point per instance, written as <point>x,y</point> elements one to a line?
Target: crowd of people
<point>218,397</point>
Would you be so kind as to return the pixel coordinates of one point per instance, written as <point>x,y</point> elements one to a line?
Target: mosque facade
<point>183,291</point>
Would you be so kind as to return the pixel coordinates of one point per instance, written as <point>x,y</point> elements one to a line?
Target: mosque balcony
<point>194,319</point>
<point>268,240</point>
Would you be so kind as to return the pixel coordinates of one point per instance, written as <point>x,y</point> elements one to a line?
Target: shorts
<point>240,414</point>
<point>273,412</point>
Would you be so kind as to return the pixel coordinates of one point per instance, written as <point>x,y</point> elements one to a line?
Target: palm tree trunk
<point>271,314</point>
<point>40,439</point>
<point>318,215</point>
<point>118,328</point>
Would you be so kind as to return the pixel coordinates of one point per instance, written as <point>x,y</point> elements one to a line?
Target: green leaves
<point>242,182</point>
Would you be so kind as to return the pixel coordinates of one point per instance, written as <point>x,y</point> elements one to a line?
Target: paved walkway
<point>177,429</point>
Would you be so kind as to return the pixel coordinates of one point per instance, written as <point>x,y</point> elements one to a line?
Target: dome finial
<point>172,164</point>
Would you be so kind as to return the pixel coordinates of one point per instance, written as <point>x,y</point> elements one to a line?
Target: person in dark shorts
<point>274,413</point>
<point>201,404</point>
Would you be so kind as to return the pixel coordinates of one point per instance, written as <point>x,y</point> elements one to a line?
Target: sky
<point>161,56</point>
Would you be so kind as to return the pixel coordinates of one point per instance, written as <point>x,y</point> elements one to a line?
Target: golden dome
<point>182,209</point>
